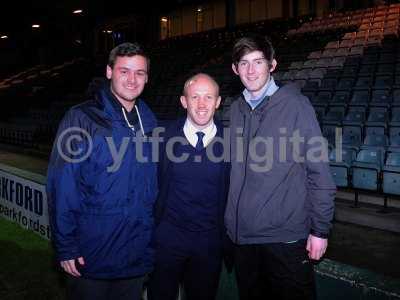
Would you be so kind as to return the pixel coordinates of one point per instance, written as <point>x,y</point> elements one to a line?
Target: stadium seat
<point>394,143</point>
<point>328,84</point>
<point>363,83</point>
<point>375,141</point>
<point>334,73</point>
<point>381,98</point>
<point>366,169</point>
<point>391,174</point>
<point>366,70</point>
<point>341,168</point>
<point>360,98</point>
<point>396,97</point>
<point>340,98</point>
<point>376,122</point>
<point>385,69</point>
<point>383,82</point>
<point>350,71</point>
<point>345,84</point>
<point>353,122</point>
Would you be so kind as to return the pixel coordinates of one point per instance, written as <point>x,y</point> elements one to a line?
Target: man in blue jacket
<point>193,188</point>
<point>280,203</point>
<point>100,193</point>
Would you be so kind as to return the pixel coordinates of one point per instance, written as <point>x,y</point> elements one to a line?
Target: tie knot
<point>199,144</point>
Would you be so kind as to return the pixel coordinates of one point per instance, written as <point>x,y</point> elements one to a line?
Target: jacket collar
<point>113,109</point>
<point>288,90</point>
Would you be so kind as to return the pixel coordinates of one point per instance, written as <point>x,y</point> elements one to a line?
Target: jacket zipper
<point>244,179</point>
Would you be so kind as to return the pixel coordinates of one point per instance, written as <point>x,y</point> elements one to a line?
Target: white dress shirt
<point>190,132</point>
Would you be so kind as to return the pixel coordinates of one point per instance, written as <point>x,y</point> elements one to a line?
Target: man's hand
<point>70,267</point>
<point>316,247</point>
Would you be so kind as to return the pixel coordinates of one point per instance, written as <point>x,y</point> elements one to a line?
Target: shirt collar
<point>268,89</point>
<point>190,132</point>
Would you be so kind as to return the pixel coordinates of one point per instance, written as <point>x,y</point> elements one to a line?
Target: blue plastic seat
<point>394,143</point>
<point>328,84</point>
<point>345,84</point>
<point>395,120</point>
<point>341,168</point>
<point>354,121</point>
<point>334,116</point>
<point>366,169</point>
<point>376,122</point>
<point>381,98</point>
<point>396,96</point>
<point>311,86</point>
<point>322,98</point>
<point>363,83</point>
<point>366,70</point>
<point>385,69</point>
<point>360,98</point>
<point>391,174</point>
<point>352,140</point>
<point>340,98</point>
<point>383,82</point>
<point>350,72</point>
<point>376,140</point>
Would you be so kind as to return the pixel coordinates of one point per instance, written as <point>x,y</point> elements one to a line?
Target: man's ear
<point>218,102</point>
<point>184,102</point>
<point>273,65</point>
<point>234,69</point>
<point>108,72</point>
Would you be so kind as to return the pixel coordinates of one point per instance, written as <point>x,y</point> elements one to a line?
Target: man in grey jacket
<point>280,204</point>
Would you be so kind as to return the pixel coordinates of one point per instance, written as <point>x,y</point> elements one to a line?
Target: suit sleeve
<point>63,190</point>
<point>321,188</point>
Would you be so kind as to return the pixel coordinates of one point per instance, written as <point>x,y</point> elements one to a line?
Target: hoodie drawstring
<point>130,125</point>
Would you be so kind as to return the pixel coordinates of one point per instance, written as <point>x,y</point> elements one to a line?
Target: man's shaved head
<point>197,77</point>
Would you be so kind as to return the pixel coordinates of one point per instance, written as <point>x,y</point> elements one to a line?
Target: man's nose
<point>251,68</point>
<point>131,77</point>
<point>201,102</point>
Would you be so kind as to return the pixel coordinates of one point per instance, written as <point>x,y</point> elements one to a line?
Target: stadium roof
<point>18,16</point>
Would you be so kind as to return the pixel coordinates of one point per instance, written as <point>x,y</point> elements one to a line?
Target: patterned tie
<point>199,144</point>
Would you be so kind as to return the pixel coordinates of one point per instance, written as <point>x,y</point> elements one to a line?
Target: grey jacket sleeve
<point>321,189</point>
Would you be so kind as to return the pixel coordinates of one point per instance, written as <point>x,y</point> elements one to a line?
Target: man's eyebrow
<point>258,58</point>
<point>129,69</point>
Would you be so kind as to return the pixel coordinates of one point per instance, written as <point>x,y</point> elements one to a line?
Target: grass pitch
<point>27,266</point>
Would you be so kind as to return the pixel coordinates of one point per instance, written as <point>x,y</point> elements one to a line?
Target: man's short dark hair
<point>127,49</point>
<point>252,43</point>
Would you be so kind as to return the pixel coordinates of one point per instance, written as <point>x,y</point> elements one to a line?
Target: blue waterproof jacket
<point>101,206</point>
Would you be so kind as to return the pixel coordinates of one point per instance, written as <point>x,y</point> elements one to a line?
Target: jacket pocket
<point>104,242</point>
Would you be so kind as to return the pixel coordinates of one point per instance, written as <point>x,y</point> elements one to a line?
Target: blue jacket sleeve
<point>321,188</point>
<point>63,190</point>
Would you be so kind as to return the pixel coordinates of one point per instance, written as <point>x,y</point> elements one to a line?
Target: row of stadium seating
<point>364,18</point>
<point>368,169</point>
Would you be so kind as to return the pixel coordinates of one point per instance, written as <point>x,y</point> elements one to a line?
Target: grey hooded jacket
<point>281,188</point>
